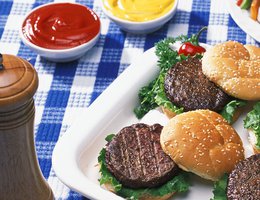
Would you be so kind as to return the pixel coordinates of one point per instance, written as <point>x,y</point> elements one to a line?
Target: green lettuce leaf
<point>220,189</point>
<point>178,184</point>
<point>230,109</point>
<point>252,121</point>
<point>161,98</point>
<point>109,137</point>
<point>106,176</point>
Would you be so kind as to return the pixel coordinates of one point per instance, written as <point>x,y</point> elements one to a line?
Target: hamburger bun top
<point>202,142</point>
<point>235,68</point>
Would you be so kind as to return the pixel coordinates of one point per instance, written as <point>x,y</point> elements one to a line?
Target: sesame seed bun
<point>202,142</point>
<point>235,68</point>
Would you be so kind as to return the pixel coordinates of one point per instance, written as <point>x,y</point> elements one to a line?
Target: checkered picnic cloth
<point>67,89</point>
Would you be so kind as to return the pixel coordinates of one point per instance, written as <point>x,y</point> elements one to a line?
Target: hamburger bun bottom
<point>253,141</point>
<point>145,196</point>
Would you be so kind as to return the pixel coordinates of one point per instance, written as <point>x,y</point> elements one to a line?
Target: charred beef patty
<point>186,86</point>
<point>244,180</point>
<point>136,159</point>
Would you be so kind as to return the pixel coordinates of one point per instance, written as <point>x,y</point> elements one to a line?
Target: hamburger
<point>202,142</point>
<point>183,86</point>
<point>227,72</point>
<point>252,124</point>
<point>134,166</point>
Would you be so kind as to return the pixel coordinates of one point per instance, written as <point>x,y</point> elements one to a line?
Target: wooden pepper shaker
<point>20,175</point>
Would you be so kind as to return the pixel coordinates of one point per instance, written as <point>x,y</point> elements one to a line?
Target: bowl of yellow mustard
<point>139,16</point>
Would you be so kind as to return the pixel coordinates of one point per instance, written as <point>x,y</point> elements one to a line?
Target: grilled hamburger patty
<point>186,86</point>
<point>136,159</point>
<point>244,180</point>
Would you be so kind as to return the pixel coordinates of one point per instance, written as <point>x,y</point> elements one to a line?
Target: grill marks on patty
<point>186,86</point>
<point>136,159</point>
<point>244,180</point>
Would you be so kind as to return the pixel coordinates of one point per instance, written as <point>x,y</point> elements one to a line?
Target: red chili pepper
<point>239,2</point>
<point>188,48</point>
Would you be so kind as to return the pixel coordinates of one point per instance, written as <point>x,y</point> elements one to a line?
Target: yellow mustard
<point>138,10</point>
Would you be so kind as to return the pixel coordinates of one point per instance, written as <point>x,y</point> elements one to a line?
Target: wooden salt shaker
<point>20,175</point>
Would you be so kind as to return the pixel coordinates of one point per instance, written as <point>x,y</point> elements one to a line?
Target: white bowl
<point>58,55</point>
<point>141,27</point>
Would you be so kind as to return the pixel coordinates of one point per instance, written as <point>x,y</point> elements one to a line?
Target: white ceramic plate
<point>75,154</point>
<point>243,20</point>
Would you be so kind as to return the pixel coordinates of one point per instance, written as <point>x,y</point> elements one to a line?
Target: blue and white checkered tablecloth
<point>67,89</point>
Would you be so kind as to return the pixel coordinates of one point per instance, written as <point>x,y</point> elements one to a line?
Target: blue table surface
<point>66,89</point>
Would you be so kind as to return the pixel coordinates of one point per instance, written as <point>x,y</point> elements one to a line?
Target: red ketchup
<point>61,26</point>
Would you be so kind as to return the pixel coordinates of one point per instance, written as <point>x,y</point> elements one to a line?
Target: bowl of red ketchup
<point>60,32</point>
